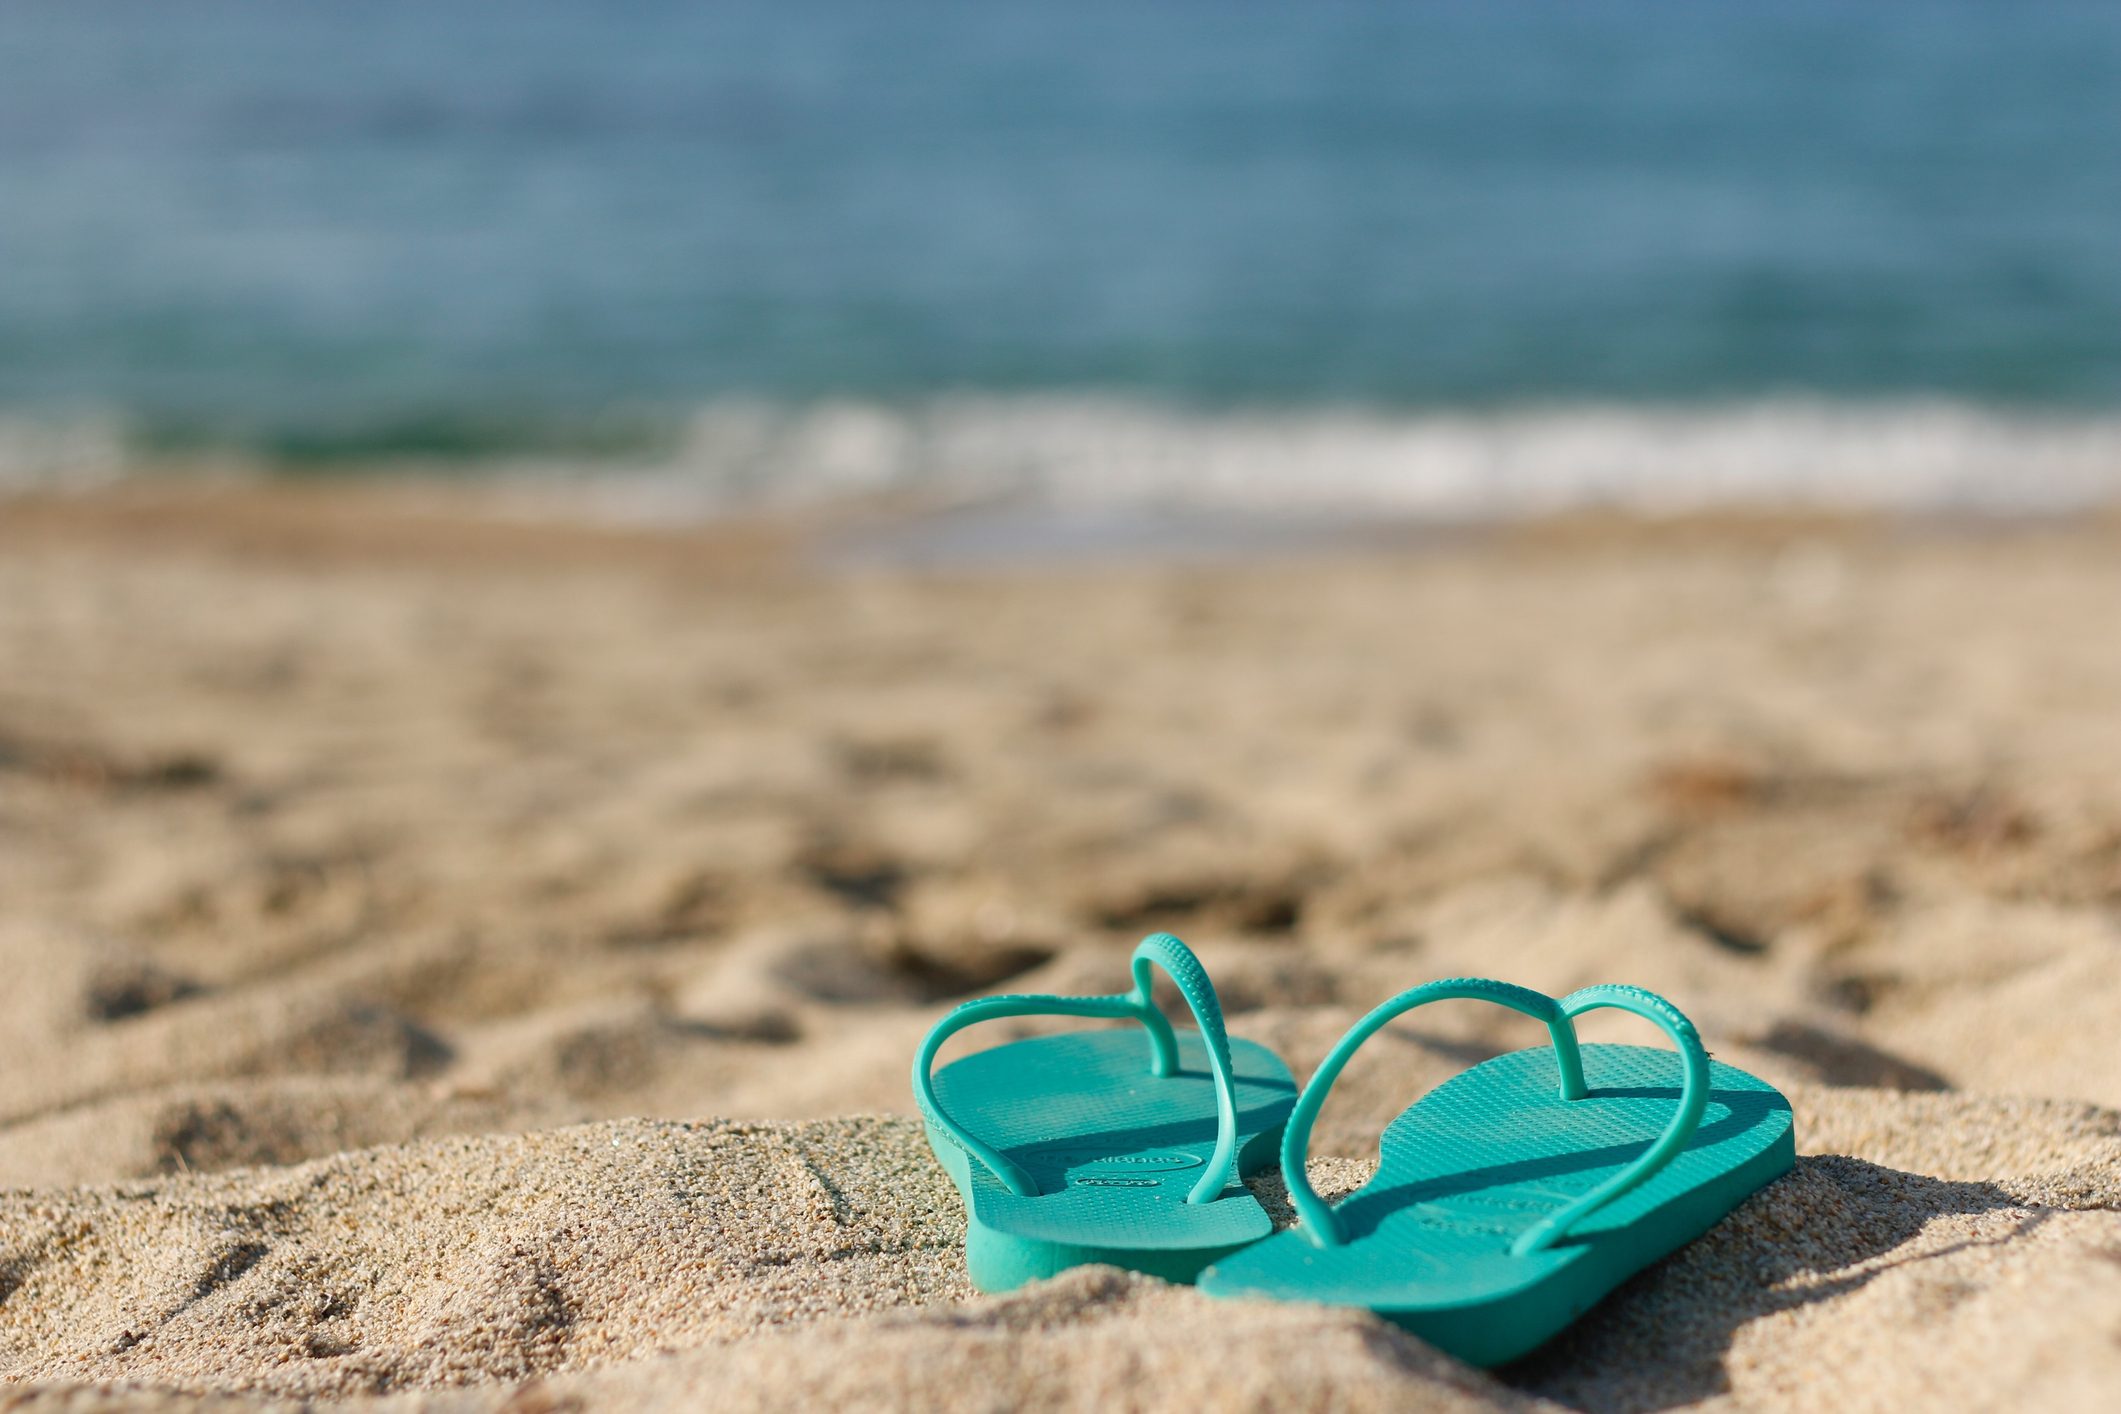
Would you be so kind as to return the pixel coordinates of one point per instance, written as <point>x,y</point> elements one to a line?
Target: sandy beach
<point>470,962</point>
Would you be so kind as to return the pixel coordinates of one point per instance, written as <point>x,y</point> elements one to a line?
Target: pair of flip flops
<point>1506,1201</point>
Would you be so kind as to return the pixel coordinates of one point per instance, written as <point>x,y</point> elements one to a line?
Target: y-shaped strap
<point>1164,951</point>
<point>1321,1221</point>
<point>1324,1224</point>
<point>1693,1099</point>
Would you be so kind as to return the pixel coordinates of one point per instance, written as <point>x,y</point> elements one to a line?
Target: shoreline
<point>411,516</point>
<point>1088,455</point>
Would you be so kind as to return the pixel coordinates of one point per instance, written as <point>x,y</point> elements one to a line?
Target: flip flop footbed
<point>1113,1151</point>
<point>1483,1157</point>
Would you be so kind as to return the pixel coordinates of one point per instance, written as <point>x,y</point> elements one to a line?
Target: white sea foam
<point>42,452</point>
<point>1074,454</point>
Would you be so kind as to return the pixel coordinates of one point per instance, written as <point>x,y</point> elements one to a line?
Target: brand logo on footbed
<point>1093,1168</point>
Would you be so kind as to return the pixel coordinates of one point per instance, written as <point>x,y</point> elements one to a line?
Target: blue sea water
<point>863,234</point>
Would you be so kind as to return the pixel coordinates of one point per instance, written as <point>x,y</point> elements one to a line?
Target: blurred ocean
<point>1449,258</point>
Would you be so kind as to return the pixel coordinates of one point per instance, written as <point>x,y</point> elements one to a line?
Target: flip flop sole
<point>1484,1156</point>
<point>1113,1151</point>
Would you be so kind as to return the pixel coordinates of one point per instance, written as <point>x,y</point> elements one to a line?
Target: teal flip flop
<point>1512,1197</point>
<point>1097,1147</point>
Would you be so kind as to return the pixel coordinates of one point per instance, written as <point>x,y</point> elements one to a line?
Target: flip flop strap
<point>1320,1220</point>
<point>1323,1223</point>
<point>1693,1100</point>
<point>1158,950</point>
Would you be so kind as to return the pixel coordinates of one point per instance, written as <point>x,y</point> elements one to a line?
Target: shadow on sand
<point>1811,1236</point>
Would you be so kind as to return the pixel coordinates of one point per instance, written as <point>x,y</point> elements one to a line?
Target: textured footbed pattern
<point>1484,1156</point>
<point>1113,1149</point>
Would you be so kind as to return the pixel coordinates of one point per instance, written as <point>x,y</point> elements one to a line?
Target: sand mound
<point>473,1258</point>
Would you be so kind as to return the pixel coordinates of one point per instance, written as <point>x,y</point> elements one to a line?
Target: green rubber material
<point>1512,1197</point>
<point>1096,1147</point>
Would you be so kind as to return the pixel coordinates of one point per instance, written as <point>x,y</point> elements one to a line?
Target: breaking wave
<point>1115,453</point>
